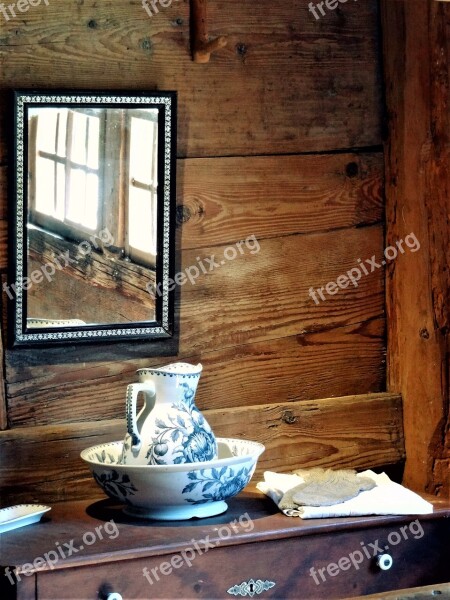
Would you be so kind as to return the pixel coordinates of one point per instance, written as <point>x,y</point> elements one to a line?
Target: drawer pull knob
<point>385,561</point>
<point>114,596</point>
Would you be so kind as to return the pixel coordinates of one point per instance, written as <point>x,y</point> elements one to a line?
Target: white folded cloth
<point>387,498</point>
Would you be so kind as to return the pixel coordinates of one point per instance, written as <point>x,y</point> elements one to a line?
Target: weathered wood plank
<point>230,307</point>
<point>264,294</point>
<point>285,82</point>
<point>418,193</point>
<point>43,464</point>
<point>301,367</point>
<point>223,200</point>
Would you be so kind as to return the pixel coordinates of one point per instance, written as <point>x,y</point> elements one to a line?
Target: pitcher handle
<point>132,393</point>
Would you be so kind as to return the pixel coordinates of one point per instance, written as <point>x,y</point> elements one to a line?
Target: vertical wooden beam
<point>417,190</point>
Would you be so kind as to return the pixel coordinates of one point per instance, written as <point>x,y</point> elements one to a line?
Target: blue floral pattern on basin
<point>188,427</point>
<point>217,484</point>
<point>115,485</point>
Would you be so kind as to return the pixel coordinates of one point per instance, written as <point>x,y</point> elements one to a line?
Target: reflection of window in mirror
<point>142,185</point>
<point>93,169</point>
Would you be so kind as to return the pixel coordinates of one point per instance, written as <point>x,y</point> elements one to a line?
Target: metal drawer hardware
<point>385,561</point>
<point>250,588</point>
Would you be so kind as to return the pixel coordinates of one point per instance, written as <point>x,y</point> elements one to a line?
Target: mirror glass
<point>94,200</point>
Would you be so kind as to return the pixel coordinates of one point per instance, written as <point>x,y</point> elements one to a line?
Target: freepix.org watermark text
<point>47,271</point>
<point>21,6</point>
<point>318,9</point>
<point>197,548</point>
<point>369,265</point>
<point>61,551</point>
<point>151,6</point>
<point>207,264</point>
<point>366,552</point>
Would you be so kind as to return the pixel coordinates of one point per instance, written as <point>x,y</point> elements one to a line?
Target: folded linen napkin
<point>386,498</point>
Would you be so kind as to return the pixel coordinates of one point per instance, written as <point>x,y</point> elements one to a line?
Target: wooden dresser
<point>250,551</point>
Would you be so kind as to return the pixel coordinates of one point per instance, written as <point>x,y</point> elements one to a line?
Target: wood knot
<point>424,333</point>
<point>352,169</point>
<point>147,45</point>
<point>183,214</point>
<point>288,417</point>
<point>241,50</point>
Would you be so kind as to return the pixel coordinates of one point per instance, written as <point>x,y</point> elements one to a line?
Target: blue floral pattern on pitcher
<point>188,427</point>
<point>217,484</point>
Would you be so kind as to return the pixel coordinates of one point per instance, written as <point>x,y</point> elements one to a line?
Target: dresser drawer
<point>334,565</point>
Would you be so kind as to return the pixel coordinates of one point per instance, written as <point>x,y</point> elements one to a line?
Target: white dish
<point>20,515</point>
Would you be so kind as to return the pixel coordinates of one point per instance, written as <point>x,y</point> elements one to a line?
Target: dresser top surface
<point>106,534</point>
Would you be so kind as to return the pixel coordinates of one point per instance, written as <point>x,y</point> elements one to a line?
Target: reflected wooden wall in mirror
<point>93,195</point>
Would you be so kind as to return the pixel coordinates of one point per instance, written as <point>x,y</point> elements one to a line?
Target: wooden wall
<point>280,139</point>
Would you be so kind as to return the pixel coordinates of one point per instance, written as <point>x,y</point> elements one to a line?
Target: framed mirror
<point>93,201</point>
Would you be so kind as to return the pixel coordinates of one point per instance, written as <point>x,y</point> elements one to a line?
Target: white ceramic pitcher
<point>169,429</point>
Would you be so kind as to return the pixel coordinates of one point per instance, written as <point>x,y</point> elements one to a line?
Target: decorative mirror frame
<point>161,328</point>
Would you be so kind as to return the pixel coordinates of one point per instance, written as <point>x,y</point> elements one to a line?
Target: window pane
<point>62,132</point>
<point>46,129</point>
<point>60,192</point>
<point>45,186</point>
<point>78,152</point>
<point>75,210</point>
<point>93,142</point>
<point>142,135</point>
<point>141,221</point>
<point>83,204</point>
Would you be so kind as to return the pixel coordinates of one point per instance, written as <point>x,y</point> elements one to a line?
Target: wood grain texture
<point>354,431</point>
<point>254,307</point>
<point>425,592</point>
<point>418,192</point>
<point>301,367</point>
<point>222,200</point>
<point>285,82</point>
<point>227,199</point>
<point>264,294</point>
